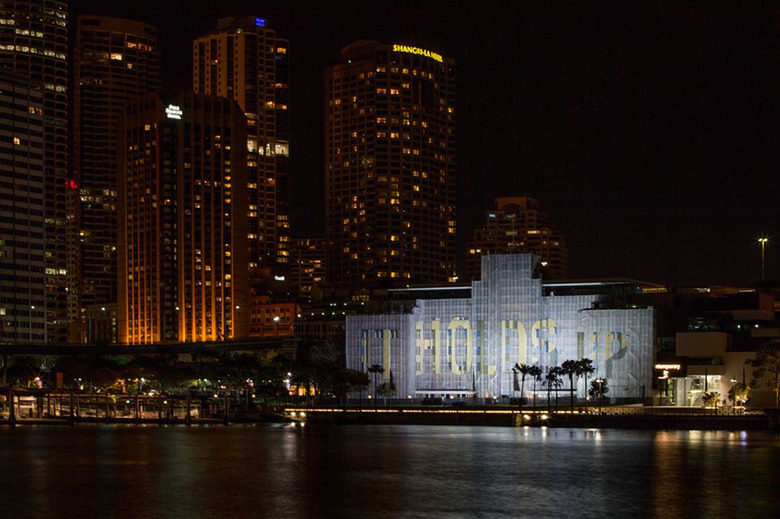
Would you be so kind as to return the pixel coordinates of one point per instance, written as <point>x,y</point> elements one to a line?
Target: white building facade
<point>467,347</point>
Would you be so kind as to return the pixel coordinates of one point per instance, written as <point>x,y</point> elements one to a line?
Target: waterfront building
<point>243,59</point>
<point>115,61</point>
<point>182,244</point>
<point>467,346</point>
<point>389,177</point>
<point>34,44</point>
<point>22,209</point>
<point>271,318</point>
<point>515,226</point>
<point>719,331</point>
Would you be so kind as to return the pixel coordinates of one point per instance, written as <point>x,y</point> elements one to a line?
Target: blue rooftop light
<point>260,22</point>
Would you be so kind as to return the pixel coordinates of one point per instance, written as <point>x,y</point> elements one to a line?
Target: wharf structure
<point>466,347</point>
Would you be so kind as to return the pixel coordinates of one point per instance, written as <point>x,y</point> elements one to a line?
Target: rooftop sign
<point>417,50</point>
<point>173,112</point>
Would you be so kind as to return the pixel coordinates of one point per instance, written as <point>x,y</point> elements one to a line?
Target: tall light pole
<point>762,241</point>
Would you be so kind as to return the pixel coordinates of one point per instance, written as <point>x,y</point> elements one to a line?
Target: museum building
<point>466,346</point>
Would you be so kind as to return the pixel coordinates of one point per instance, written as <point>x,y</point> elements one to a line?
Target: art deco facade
<point>182,243</point>
<point>467,346</point>
<point>115,61</point>
<point>517,225</point>
<point>34,44</point>
<point>22,184</point>
<point>244,60</point>
<point>389,178</point>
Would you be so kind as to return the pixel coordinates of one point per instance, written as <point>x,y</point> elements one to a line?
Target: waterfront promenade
<point>69,408</point>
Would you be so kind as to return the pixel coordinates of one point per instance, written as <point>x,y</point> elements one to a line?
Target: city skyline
<point>647,133</point>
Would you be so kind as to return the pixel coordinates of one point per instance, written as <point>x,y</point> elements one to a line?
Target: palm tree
<point>553,381</point>
<point>586,368</point>
<point>375,369</point>
<point>598,388</point>
<point>536,373</point>
<point>524,370</point>
<point>570,368</point>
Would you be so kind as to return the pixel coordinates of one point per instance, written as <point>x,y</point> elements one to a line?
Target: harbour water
<point>385,472</point>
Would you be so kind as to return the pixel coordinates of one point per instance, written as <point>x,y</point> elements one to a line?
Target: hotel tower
<point>390,157</point>
<point>182,255</point>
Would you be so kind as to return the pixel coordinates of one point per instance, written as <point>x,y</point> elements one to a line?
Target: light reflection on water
<point>385,471</point>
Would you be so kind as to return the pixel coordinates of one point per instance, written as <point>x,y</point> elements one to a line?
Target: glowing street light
<point>762,241</point>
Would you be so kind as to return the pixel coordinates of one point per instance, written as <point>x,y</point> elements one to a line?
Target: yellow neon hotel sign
<point>417,50</point>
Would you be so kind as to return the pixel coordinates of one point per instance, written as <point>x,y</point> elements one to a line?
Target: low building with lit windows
<point>466,346</point>
<point>271,318</point>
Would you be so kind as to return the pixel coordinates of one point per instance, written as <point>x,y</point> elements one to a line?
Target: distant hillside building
<point>517,225</point>
<point>182,254</point>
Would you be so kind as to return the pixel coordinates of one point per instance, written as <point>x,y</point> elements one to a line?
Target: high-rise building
<point>115,61</point>
<point>34,44</point>
<point>517,225</point>
<point>22,245</point>
<point>244,60</point>
<point>182,253</point>
<point>390,156</point>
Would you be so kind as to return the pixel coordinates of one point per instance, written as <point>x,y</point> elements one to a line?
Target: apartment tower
<point>22,245</point>
<point>244,60</point>
<point>34,45</point>
<point>390,157</point>
<point>115,61</point>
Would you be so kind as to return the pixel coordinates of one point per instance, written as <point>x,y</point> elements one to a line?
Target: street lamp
<point>32,307</point>
<point>762,241</point>
<point>600,382</point>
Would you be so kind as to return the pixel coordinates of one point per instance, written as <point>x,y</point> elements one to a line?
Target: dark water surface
<point>378,472</point>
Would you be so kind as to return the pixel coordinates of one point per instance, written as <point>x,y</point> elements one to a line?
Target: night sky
<point>648,131</point>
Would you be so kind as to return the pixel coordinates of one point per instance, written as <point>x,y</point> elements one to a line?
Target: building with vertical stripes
<point>389,159</point>
<point>182,258</point>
